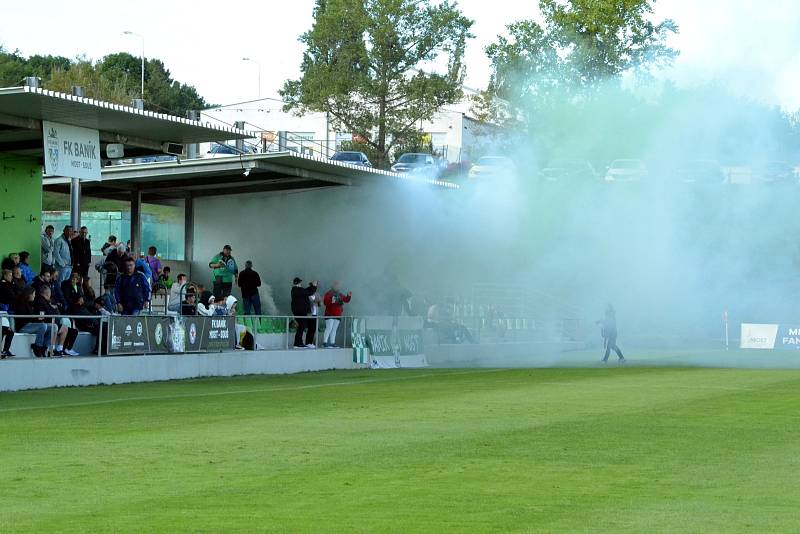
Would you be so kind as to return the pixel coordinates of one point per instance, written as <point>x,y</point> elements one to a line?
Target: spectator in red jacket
<point>334,301</point>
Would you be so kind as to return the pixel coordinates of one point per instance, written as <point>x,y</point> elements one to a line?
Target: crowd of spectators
<point>57,301</point>
<point>306,304</point>
<point>39,305</point>
<point>60,301</point>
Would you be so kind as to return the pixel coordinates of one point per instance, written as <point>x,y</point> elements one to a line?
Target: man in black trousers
<point>82,253</point>
<point>609,333</point>
<point>301,308</point>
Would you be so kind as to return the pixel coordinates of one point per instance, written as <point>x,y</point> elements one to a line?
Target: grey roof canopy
<point>280,171</point>
<point>22,110</point>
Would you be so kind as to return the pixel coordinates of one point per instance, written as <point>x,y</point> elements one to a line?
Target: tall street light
<point>142,38</point>
<point>259,72</point>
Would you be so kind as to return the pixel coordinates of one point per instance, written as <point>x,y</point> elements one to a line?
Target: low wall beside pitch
<point>21,374</point>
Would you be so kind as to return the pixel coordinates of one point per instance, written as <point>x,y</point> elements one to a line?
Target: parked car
<point>492,166</point>
<point>774,172</point>
<point>415,162</point>
<point>701,171</point>
<point>219,150</point>
<point>626,170</point>
<point>352,157</point>
<point>568,170</point>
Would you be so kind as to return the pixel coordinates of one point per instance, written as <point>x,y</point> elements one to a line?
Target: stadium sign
<point>392,342</point>
<point>210,334</point>
<point>150,334</point>
<point>71,151</point>
<point>770,337</point>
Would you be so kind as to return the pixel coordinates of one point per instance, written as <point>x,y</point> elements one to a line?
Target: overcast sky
<point>751,45</point>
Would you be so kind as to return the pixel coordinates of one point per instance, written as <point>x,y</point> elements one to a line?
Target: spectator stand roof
<point>22,110</point>
<point>219,176</point>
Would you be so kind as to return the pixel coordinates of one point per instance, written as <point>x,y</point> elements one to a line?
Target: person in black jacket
<point>249,281</point>
<point>8,291</point>
<point>301,308</point>
<point>8,294</point>
<point>609,333</point>
<point>82,252</point>
<point>65,334</point>
<point>7,335</point>
<point>28,325</point>
<point>72,288</point>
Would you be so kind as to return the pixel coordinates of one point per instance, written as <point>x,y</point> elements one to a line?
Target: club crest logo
<point>52,144</point>
<point>192,334</point>
<point>158,334</point>
<point>139,329</point>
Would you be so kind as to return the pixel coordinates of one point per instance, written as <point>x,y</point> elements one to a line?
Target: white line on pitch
<point>353,382</point>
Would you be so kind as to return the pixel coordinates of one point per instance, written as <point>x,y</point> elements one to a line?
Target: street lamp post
<point>259,73</point>
<point>142,38</point>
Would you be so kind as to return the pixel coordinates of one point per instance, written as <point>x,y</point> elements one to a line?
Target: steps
<point>21,346</point>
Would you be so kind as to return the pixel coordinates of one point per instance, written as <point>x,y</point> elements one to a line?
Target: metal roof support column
<point>188,230</point>
<point>75,203</point>
<point>192,148</point>
<point>239,142</point>
<point>136,223</point>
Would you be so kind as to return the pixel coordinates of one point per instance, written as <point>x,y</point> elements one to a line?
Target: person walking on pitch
<point>609,333</point>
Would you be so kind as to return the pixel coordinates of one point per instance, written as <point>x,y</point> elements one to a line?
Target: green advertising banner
<point>150,334</point>
<point>210,334</point>
<point>380,342</point>
<point>128,335</point>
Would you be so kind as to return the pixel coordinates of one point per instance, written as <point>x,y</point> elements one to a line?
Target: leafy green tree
<point>581,45</point>
<point>166,94</point>
<point>114,78</point>
<point>14,67</point>
<point>562,77</point>
<point>95,85</point>
<point>363,65</point>
<point>161,92</point>
<point>124,68</point>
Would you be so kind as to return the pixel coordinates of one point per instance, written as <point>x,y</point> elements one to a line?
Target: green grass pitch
<point>551,450</point>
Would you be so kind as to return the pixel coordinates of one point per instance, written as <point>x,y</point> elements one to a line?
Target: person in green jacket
<point>224,272</point>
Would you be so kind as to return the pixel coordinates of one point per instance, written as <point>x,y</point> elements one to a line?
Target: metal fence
<point>152,333</point>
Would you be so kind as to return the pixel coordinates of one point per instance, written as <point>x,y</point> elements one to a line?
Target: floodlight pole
<point>727,334</point>
<point>142,38</point>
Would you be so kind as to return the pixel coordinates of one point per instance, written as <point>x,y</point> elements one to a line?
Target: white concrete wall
<point>23,374</point>
<point>358,235</point>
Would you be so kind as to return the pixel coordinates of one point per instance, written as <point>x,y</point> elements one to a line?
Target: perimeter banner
<point>395,342</point>
<point>210,334</point>
<point>380,336</point>
<point>409,332</point>
<point>150,334</point>
<point>758,336</point>
<point>128,335</point>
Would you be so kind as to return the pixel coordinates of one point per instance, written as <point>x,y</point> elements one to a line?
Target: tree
<point>14,67</point>
<point>364,66</point>
<point>161,92</point>
<point>115,78</point>
<point>581,45</point>
<point>95,85</point>
<point>563,76</point>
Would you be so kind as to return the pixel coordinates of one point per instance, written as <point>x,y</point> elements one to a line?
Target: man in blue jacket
<point>132,291</point>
